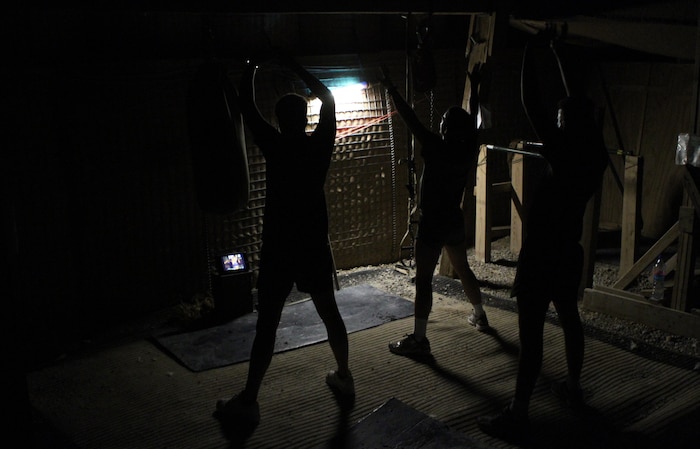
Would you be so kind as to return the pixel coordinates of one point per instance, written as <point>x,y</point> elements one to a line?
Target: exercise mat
<point>362,307</point>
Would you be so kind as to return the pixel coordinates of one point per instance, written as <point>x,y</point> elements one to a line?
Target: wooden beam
<point>696,84</point>
<point>669,237</point>
<point>686,259</point>
<point>517,218</point>
<point>691,183</point>
<point>624,305</point>
<point>438,7</point>
<point>482,191</point>
<point>527,169</point>
<point>631,212</point>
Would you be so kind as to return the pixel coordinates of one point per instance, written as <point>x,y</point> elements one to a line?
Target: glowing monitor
<point>233,262</point>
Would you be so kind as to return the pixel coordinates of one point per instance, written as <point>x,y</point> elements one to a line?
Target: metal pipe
<point>513,150</point>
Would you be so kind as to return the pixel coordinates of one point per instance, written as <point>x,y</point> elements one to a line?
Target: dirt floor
<point>102,391</point>
<point>122,391</point>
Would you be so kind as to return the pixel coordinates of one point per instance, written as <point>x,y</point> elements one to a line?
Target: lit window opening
<point>348,97</point>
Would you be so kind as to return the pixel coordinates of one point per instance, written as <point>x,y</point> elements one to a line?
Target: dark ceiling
<point>71,32</point>
<point>521,8</point>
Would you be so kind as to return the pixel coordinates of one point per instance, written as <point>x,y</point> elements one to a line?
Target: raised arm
<point>407,113</point>
<point>541,119</point>
<point>531,97</point>
<point>475,82</point>
<point>253,118</point>
<point>314,84</point>
<point>326,121</point>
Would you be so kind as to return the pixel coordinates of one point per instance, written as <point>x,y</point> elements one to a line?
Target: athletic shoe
<point>343,385</point>
<point>235,411</point>
<point>506,426</point>
<point>571,398</point>
<point>410,347</point>
<point>480,322</point>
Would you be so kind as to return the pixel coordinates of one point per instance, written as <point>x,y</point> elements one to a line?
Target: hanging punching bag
<point>217,141</point>
<point>423,64</point>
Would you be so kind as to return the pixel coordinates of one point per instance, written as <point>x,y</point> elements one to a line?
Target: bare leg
<point>327,309</point>
<point>531,316</point>
<point>426,260</point>
<point>573,339</point>
<point>270,305</point>
<point>470,284</point>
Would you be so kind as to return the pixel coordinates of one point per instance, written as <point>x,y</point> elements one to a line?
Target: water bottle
<point>658,274</point>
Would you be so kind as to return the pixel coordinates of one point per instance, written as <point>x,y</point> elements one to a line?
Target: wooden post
<point>696,83</point>
<point>482,237</point>
<point>686,259</point>
<point>526,174</point>
<point>636,308</point>
<point>688,219</point>
<point>691,184</point>
<point>631,212</point>
<point>517,231</point>
<point>626,278</point>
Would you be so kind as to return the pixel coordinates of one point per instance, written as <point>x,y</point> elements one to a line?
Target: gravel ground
<point>496,280</point>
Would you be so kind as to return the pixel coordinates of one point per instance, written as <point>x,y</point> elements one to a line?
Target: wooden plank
<point>482,232</point>
<point>643,312</point>
<point>686,259</point>
<point>501,187</point>
<point>671,264</point>
<point>517,232</point>
<point>621,293</point>
<point>669,237</point>
<point>696,86</point>
<point>691,179</point>
<point>631,212</point>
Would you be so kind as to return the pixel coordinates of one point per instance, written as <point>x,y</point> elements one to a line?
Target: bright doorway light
<point>347,97</point>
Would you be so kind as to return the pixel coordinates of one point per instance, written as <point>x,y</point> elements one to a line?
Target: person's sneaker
<point>481,323</point>
<point>235,411</point>
<point>506,426</point>
<point>410,347</point>
<point>571,398</point>
<point>343,385</point>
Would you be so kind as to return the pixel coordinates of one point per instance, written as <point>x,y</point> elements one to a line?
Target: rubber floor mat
<point>362,307</point>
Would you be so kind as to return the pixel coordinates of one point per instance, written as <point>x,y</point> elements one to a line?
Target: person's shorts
<point>309,267</point>
<point>438,231</point>
<point>550,271</point>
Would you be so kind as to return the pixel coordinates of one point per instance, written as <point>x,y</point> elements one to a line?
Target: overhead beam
<point>369,7</point>
<point>287,7</point>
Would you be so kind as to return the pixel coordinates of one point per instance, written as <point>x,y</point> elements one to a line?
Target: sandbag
<point>422,61</point>
<point>217,141</point>
<point>423,70</point>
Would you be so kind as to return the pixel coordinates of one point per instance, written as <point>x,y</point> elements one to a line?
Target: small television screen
<point>232,262</point>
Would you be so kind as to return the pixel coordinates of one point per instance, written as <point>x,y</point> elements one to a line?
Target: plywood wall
<point>651,103</point>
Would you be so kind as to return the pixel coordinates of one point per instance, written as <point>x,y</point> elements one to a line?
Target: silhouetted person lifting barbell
<point>448,159</point>
<point>295,246</point>
<point>551,258</point>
